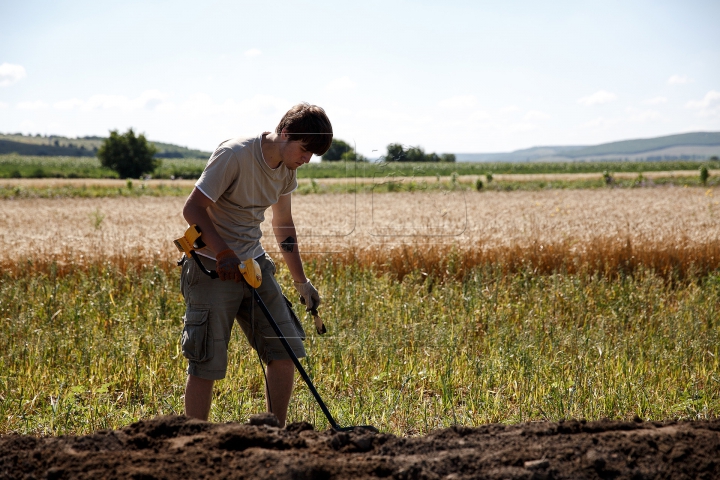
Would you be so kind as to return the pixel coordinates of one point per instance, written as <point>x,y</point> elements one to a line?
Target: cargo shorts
<point>213,305</point>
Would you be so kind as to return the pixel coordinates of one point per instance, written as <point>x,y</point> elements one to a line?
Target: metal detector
<point>251,274</point>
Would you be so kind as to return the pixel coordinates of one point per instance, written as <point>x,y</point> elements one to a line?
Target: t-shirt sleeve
<point>220,172</point>
<point>291,185</point>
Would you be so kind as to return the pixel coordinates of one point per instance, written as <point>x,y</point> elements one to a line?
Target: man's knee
<point>282,364</point>
<point>199,381</point>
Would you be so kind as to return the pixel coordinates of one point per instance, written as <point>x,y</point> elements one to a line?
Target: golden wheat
<point>666,228</point>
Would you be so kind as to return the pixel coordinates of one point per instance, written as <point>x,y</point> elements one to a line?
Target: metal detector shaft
<point>297,363</point>
<point>213,274</point>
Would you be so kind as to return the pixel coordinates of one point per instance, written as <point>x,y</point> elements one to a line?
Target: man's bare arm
<point>286,236</point>
<point>195,212</point>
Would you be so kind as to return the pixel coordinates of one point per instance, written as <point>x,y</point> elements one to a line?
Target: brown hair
<point>308,124</point>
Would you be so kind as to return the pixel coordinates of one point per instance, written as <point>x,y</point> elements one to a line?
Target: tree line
<point>133,156</point>
<point>396,152</point>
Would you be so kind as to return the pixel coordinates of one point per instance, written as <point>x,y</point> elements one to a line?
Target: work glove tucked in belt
<point>309,296</point>
<point>227,265</point>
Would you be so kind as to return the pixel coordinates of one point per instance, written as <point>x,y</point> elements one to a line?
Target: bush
<point>607,176</point>
<point>128,155</point>
<point>704,174</point>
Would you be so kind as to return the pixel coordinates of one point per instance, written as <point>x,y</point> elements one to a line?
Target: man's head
<point>309,125</point>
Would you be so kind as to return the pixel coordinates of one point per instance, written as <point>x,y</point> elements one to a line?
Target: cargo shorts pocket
<point>196,337</point>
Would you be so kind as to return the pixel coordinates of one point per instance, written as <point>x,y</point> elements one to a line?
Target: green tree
<point>336,151</point>
<point>128,155</point>
<point>415,154</point>
<point>395,153</point>
<point>433,157</point>
<point>353,156</point>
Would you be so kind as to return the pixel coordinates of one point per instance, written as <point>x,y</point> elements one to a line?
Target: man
<point>242,179</point>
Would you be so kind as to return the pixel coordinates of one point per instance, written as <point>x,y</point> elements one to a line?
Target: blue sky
<point>449,76</point>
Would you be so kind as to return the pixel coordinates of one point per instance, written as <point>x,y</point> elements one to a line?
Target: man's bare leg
<point>280,377</point>
<point>198,397</point>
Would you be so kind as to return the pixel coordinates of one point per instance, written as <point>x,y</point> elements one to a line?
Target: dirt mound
<point>176,447</point>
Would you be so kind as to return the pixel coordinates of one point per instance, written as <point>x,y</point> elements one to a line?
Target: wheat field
<point>553,227</point>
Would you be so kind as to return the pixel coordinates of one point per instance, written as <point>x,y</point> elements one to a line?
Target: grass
<point>17,166</point>
<point>137,188</point>
<point>131,189</point>
<point>96,346</point>
<point>408,169</point>
<point>20,166</point>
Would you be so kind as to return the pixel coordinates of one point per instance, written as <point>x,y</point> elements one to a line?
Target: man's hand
<point>309,296</point>
<point>227,265</point>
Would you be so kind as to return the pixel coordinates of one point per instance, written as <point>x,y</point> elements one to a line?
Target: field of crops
<point>17,166</point>
<point>444,307</point>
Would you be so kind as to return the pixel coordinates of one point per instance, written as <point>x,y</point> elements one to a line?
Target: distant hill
<point>685,146</point>
<point>79,147</point>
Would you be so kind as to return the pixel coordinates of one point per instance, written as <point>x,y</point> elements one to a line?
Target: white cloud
<point>655,101</point>
<point>597,98</point>
<point>708,106</point>
<point>536,115</point>
<point>711,97</point>
<point>10,74</point>
<point>4,105</point>
<point>679,80</point>
<point>253,52</point>
<point>460,101</point>
<point>340,84</point>
<point>36,105</point>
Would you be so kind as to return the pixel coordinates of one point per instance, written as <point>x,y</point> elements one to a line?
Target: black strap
<point>211,273</point>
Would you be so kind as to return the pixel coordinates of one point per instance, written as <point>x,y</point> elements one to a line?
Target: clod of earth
<point>177,447</point>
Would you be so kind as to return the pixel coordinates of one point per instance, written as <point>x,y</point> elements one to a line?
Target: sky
<point>449,76</point>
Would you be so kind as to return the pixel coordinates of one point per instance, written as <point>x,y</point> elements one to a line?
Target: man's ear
<point>284,134</point>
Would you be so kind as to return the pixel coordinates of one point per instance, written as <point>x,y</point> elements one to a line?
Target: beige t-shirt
<point>242,186</point>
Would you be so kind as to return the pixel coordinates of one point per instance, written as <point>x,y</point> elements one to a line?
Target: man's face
<point>294,154</point>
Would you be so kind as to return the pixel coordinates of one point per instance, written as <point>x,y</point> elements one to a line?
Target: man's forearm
<point>294,263</point>
<point>287,239</point>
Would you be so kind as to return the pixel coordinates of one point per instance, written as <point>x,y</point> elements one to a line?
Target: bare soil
<point>176,447</point>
